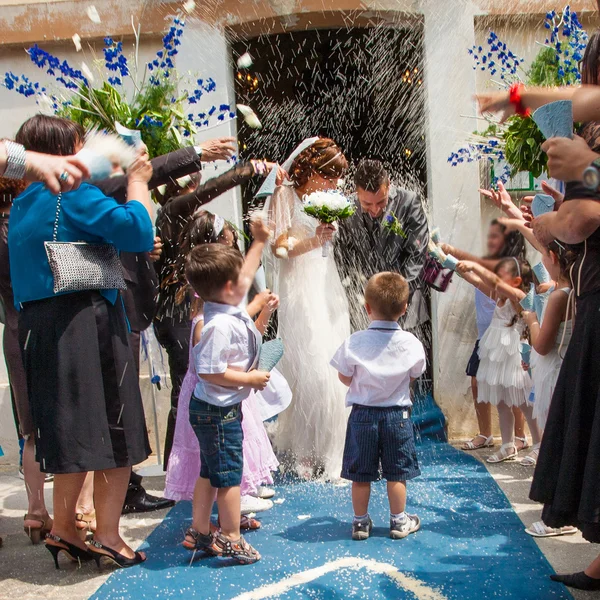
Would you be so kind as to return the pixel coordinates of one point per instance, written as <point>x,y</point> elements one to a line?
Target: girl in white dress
<point>549,340</point>
<point>500,378</point>
<point>313,316</point>
<point>550,336</point>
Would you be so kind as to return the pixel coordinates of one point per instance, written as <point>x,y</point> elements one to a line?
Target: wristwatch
<point>15,160</point>
<point>591,176</point>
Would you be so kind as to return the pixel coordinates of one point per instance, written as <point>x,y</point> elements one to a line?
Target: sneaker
<point>361,529</point>
<point>399,530</point>
<point>264,492</point>
<point>250,504</point>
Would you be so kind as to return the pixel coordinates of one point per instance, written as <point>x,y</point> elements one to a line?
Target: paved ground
<point>26,572</point>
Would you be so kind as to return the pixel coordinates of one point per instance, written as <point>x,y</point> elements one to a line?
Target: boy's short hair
<point>387,295</point>
<point>210,266</point>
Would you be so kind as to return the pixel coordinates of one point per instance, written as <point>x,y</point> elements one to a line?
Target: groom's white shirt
<point>381,361</point>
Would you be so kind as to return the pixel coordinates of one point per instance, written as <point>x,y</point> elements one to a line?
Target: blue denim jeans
<point>220,435</point>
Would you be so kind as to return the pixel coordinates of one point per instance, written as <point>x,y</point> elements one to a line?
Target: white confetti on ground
<point>303,517</point>
<point>407,582</point>
<point>93,15</point>
<point>279,501</point>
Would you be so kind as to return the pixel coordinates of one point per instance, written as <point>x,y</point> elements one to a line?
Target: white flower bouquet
<point>328,207</point>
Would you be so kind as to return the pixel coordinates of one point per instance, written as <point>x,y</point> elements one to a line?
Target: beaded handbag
<point>79,266</point>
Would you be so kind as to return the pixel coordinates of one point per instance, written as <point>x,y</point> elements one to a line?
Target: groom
<point>365,246</point>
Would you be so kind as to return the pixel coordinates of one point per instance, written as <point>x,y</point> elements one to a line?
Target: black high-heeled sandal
<point>114,556</point>
<point>75,553</point>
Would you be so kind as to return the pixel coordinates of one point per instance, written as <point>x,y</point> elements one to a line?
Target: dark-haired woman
<point>500,244</point>
<point>172,321</point>
<point>83,390</point>
<point>313,316</point>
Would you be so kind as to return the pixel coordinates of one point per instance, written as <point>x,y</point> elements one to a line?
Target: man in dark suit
<point>142,282</point>
<point>365,245</point>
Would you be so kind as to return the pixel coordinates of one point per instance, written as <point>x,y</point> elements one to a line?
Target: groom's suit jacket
<point>364,247</point>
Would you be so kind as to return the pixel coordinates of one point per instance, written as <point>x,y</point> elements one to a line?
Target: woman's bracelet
<point>15,160</point>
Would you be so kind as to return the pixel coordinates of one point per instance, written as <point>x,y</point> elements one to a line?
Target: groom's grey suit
<point>364,247</point>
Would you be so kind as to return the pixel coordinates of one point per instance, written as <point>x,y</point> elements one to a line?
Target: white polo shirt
<point>381,361</point>
<point>229,341</point>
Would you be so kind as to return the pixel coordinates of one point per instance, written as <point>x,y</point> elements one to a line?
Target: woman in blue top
<point>81,378</point>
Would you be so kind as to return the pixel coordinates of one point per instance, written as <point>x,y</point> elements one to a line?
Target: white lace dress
<point>500,377</point>
<point>313,323</point>
<point>545,369</point>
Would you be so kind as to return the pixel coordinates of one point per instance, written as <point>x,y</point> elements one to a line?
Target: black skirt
<point>567,476</point>
<point>83,386</point>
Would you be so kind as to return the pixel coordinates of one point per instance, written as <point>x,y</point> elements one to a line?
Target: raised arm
<point>165,168</point>
<point>488,263</point>
<point>521,226</point>
<point>473,271</point>
<point>501,198</point>
<point>572,223</point>
<point>187,204</point>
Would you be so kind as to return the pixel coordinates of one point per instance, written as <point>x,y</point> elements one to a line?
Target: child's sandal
<point>506,452</point>
<point>249,524</point>
<point>240,550</point>
<point>201,542</point>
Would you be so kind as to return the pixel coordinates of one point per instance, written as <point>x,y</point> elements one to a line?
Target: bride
<point>313,315</point>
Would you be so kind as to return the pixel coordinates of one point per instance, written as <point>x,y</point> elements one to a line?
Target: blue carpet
<point>472,546</point>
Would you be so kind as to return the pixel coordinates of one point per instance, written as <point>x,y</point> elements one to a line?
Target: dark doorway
<point>361,87</point>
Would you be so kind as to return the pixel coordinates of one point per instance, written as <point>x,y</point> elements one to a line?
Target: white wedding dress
<point>313,323</point>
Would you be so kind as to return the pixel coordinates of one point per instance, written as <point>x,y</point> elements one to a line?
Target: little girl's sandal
<point>249,523</point>
<point>531,459</point>
<point>506,452</point>
<point>488,442</point>
<point>524,441</point>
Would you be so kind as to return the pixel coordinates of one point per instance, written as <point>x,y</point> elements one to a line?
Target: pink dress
<point>184,461</point>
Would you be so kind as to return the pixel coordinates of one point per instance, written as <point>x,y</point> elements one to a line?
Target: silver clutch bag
<point>79,266</point>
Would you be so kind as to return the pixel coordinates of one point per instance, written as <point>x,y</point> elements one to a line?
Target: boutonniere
<point>392,224</point>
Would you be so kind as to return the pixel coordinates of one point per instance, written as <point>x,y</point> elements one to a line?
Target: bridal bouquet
<point>328,207</point>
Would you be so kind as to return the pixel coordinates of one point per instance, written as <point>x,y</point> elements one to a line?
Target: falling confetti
<point>245,61</point>
<point>77,41</point>
<point>189,6</point>
<point>250,117</point>
<point>87,72</point>
<point>93,15</point>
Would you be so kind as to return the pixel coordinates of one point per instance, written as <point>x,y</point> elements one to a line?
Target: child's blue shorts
<point>380,436</point>
<point>220,435</point>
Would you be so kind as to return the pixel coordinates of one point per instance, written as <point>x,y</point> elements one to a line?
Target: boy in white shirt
<point>378,365</point>
<point>225,360</point>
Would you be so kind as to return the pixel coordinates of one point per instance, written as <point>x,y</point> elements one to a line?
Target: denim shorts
<point>220,435</point>
<point>380,436</point>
